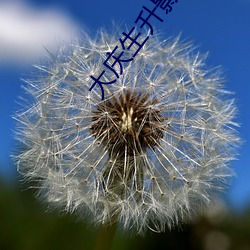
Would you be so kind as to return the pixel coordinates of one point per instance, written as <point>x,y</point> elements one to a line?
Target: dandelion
<point>153,153</point>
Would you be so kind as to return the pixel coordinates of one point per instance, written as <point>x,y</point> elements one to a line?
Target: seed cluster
<point>153,153</point>
<point>128,121</point>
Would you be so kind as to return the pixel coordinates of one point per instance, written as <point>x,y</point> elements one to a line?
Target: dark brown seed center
<point>128,124</point>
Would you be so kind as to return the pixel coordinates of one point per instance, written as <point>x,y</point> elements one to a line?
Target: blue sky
<point>221,27</point>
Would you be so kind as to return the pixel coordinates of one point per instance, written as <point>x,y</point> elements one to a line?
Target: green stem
<point>105,236</point>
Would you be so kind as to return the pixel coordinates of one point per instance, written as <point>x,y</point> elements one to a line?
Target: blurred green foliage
<point>25,225</point>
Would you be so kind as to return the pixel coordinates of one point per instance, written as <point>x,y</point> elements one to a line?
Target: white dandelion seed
<point>150,155</point>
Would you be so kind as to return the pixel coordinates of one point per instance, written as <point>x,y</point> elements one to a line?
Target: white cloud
<point>25,31</point>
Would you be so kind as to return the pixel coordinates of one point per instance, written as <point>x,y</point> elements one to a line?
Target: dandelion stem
<point>105,236</point>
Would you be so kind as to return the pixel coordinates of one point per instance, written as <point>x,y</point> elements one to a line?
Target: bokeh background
<point>29,28</point>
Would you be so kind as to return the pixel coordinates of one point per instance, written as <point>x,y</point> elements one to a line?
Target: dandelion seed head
<point>152,154</point>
